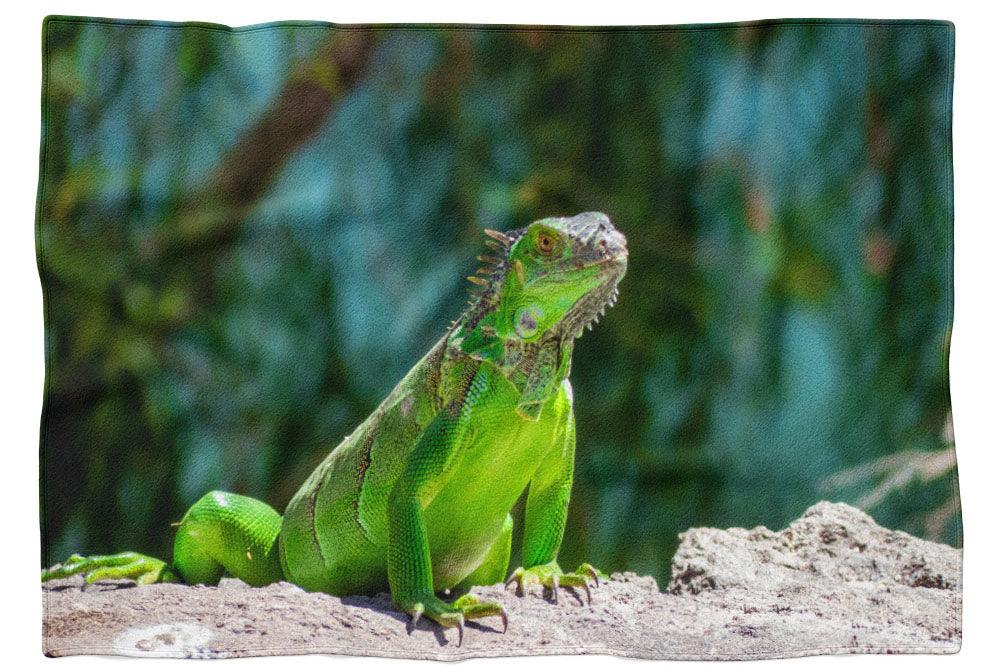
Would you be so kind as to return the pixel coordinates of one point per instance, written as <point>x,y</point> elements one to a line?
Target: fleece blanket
<point>446,341</point>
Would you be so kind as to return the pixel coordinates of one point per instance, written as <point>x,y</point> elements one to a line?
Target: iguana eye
<point>545,243</point>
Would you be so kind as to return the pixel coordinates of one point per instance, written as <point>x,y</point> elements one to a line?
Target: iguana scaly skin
<point>418,498</point>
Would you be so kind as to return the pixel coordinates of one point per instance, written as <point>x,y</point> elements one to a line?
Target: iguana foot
<point>143,569</point>
<point>454,614</point>
<point>551,577</point>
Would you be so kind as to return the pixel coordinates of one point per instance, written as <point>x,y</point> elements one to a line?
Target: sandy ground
<point>832,582</point>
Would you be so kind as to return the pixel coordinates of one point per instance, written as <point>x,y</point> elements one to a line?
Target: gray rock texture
<point>832,582</point>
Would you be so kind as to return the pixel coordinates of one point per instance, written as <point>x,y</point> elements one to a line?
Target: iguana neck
<point>536,368</point>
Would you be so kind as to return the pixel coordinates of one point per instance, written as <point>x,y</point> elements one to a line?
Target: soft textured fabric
<point>248,236</point>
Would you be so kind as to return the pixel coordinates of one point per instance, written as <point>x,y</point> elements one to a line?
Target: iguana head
<point>552,278</point>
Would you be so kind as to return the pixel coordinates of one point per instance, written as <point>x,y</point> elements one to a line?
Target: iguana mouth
<point>611,262</point>
<point>597,244</point>
<point>601,245</point>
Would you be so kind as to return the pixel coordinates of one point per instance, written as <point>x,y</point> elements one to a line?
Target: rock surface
<point>832,582</point>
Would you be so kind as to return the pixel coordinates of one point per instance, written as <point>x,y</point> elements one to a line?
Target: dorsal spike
<point>498,236</point>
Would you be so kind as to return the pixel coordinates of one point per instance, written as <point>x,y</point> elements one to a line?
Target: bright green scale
<point>418,498</point>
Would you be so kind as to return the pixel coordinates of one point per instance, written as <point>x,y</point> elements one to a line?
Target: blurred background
<point>247,238</point>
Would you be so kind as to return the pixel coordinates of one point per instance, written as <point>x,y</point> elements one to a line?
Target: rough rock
<point>832,544</point>
<point>832,582</point>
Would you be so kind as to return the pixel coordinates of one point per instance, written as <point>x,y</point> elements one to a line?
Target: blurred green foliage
<point>246,238</point>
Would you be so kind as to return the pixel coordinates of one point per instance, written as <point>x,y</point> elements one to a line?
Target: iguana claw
<point>454,614</point>
<point>590,570</point>
<point>551,577</point>
<point>417,613</point>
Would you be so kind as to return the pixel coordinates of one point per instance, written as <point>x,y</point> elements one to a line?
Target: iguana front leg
<point>545,517</point>
<point>411,579</point>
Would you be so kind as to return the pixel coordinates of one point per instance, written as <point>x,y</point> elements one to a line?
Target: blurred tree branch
<point>177,260</point>
<point>896,471</point>
<point>313,90</point>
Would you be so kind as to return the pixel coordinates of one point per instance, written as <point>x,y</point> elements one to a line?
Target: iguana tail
<point>222,533</point>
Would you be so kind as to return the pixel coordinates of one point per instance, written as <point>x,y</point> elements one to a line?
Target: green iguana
<point>418,497</point>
